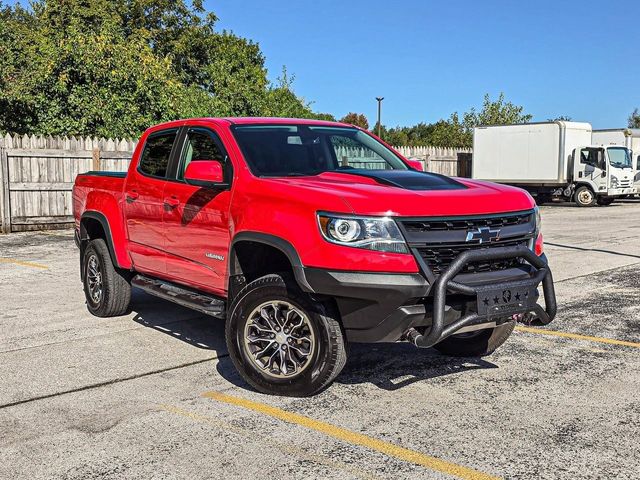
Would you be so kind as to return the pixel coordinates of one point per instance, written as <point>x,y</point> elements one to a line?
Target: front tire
<point>107,290</point>
<point>281,341</point>
<point>584,197</point>
<point>476,344</point>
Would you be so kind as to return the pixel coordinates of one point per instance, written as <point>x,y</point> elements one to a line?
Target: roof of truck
<point>247,121</point>
<point>281,121</point>
<point>561,123</point>
<point>635,132</point>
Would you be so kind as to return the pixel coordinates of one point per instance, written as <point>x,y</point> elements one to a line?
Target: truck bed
<point>109,184</point>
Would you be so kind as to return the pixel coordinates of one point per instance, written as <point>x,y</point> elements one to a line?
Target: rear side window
<point>156,154</point>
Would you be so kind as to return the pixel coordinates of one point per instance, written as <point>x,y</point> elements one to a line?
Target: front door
<point>196,219</point>
<point>143,205</point>
<point>593,168</point>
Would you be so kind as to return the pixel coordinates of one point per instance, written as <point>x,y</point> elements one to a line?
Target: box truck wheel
<point>604,201</point>
<point>584,197</point>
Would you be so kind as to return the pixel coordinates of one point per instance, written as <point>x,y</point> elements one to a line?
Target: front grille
<point>438,242</point>
<point>438,258</point>
<point>466,223</point>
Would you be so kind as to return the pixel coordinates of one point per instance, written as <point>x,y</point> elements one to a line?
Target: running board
<point>209,305</point>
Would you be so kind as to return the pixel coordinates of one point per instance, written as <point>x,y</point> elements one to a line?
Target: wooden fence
<point>37,173</point>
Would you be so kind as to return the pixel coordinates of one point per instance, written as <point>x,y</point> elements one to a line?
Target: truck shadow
<point>186,325</point>
<point>388,366</point>
<point>391,366</point>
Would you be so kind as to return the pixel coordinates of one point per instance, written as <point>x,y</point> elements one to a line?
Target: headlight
<point>373,233</point>
<point>538,221</point>
<point>532,242</point>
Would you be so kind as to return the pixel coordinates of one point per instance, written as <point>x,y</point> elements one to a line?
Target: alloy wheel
<point>94,279</point>
<point>279,339</point>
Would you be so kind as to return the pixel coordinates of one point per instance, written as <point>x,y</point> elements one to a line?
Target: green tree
<point>456,131</point>
<point>634,119</point>
<point>561,118</point>
<point>357,119</point>
<point>113,68</point>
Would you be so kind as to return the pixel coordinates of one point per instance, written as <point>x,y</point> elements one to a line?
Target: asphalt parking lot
<point>154,395</point>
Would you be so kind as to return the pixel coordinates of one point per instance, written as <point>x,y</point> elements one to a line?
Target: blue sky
<point>429,58</point>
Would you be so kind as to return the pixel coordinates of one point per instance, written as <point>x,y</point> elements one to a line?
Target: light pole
<point>379,99</point>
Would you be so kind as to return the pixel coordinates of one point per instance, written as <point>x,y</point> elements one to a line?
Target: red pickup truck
<point>306,235</point>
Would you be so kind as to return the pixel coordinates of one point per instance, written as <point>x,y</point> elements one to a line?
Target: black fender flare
<point>93,215</point>
<point>273,241</point>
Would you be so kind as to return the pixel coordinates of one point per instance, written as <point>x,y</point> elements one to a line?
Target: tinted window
<point>155,157</point>
<point>290,150</point>
<point>200,145</point>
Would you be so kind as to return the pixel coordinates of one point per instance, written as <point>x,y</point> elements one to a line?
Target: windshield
<point>619,157</point>
<point>296,150</point>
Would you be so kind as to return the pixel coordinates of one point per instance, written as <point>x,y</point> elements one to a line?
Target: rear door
<point>144,204</point>
<point>196,219</point>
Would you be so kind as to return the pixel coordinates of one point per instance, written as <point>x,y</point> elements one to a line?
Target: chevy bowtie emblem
<point>483,235</point>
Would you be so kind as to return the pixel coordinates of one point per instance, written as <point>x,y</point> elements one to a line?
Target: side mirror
<point>205,173</point>
<point>416,165</point>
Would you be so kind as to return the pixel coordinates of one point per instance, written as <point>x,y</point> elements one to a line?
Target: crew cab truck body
<point>623,137</point>
<point>266,223</point>
<point>553,159</point>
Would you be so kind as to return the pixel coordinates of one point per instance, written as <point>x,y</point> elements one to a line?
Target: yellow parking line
<point>283,447</point>
<point>355,438</point>
<point>576,336</point>
<point>24,264</point>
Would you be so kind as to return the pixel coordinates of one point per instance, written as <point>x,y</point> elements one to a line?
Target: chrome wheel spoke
<point>262,329</point>
<point>264,350</point>
<point>301,352</point>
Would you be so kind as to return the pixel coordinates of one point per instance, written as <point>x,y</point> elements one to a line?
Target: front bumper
<point>377,307</point>
<point>616,192</point>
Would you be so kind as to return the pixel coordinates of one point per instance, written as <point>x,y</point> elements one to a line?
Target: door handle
<point>171,202</point>
<point>132,196</point>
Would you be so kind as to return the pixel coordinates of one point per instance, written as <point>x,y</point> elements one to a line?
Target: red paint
<point>179,231</point>
<point>208,171</point>
<point>416,164</point>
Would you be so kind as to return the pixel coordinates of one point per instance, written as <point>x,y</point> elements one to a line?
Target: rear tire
<point>107,290</point>
<point>481,343</point>
<point>281,341</point>
<point>605,201</point>
<point>584,197</point>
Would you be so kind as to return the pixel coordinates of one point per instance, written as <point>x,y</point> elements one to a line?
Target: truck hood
<point>411,193</point>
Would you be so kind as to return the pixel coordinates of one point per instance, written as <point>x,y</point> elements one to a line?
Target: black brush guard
<point>445,283</point>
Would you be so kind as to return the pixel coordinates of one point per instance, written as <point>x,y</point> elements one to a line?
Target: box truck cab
<point>553,159</point>
<point>626,137</point>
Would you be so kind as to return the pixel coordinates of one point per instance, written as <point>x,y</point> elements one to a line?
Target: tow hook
<point>527,318</point>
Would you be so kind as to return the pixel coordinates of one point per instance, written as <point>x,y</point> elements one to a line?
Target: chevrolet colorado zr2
<point>306,235</point>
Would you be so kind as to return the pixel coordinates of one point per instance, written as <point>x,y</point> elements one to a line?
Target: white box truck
<point>553,159</point>
<point>627,137</point>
